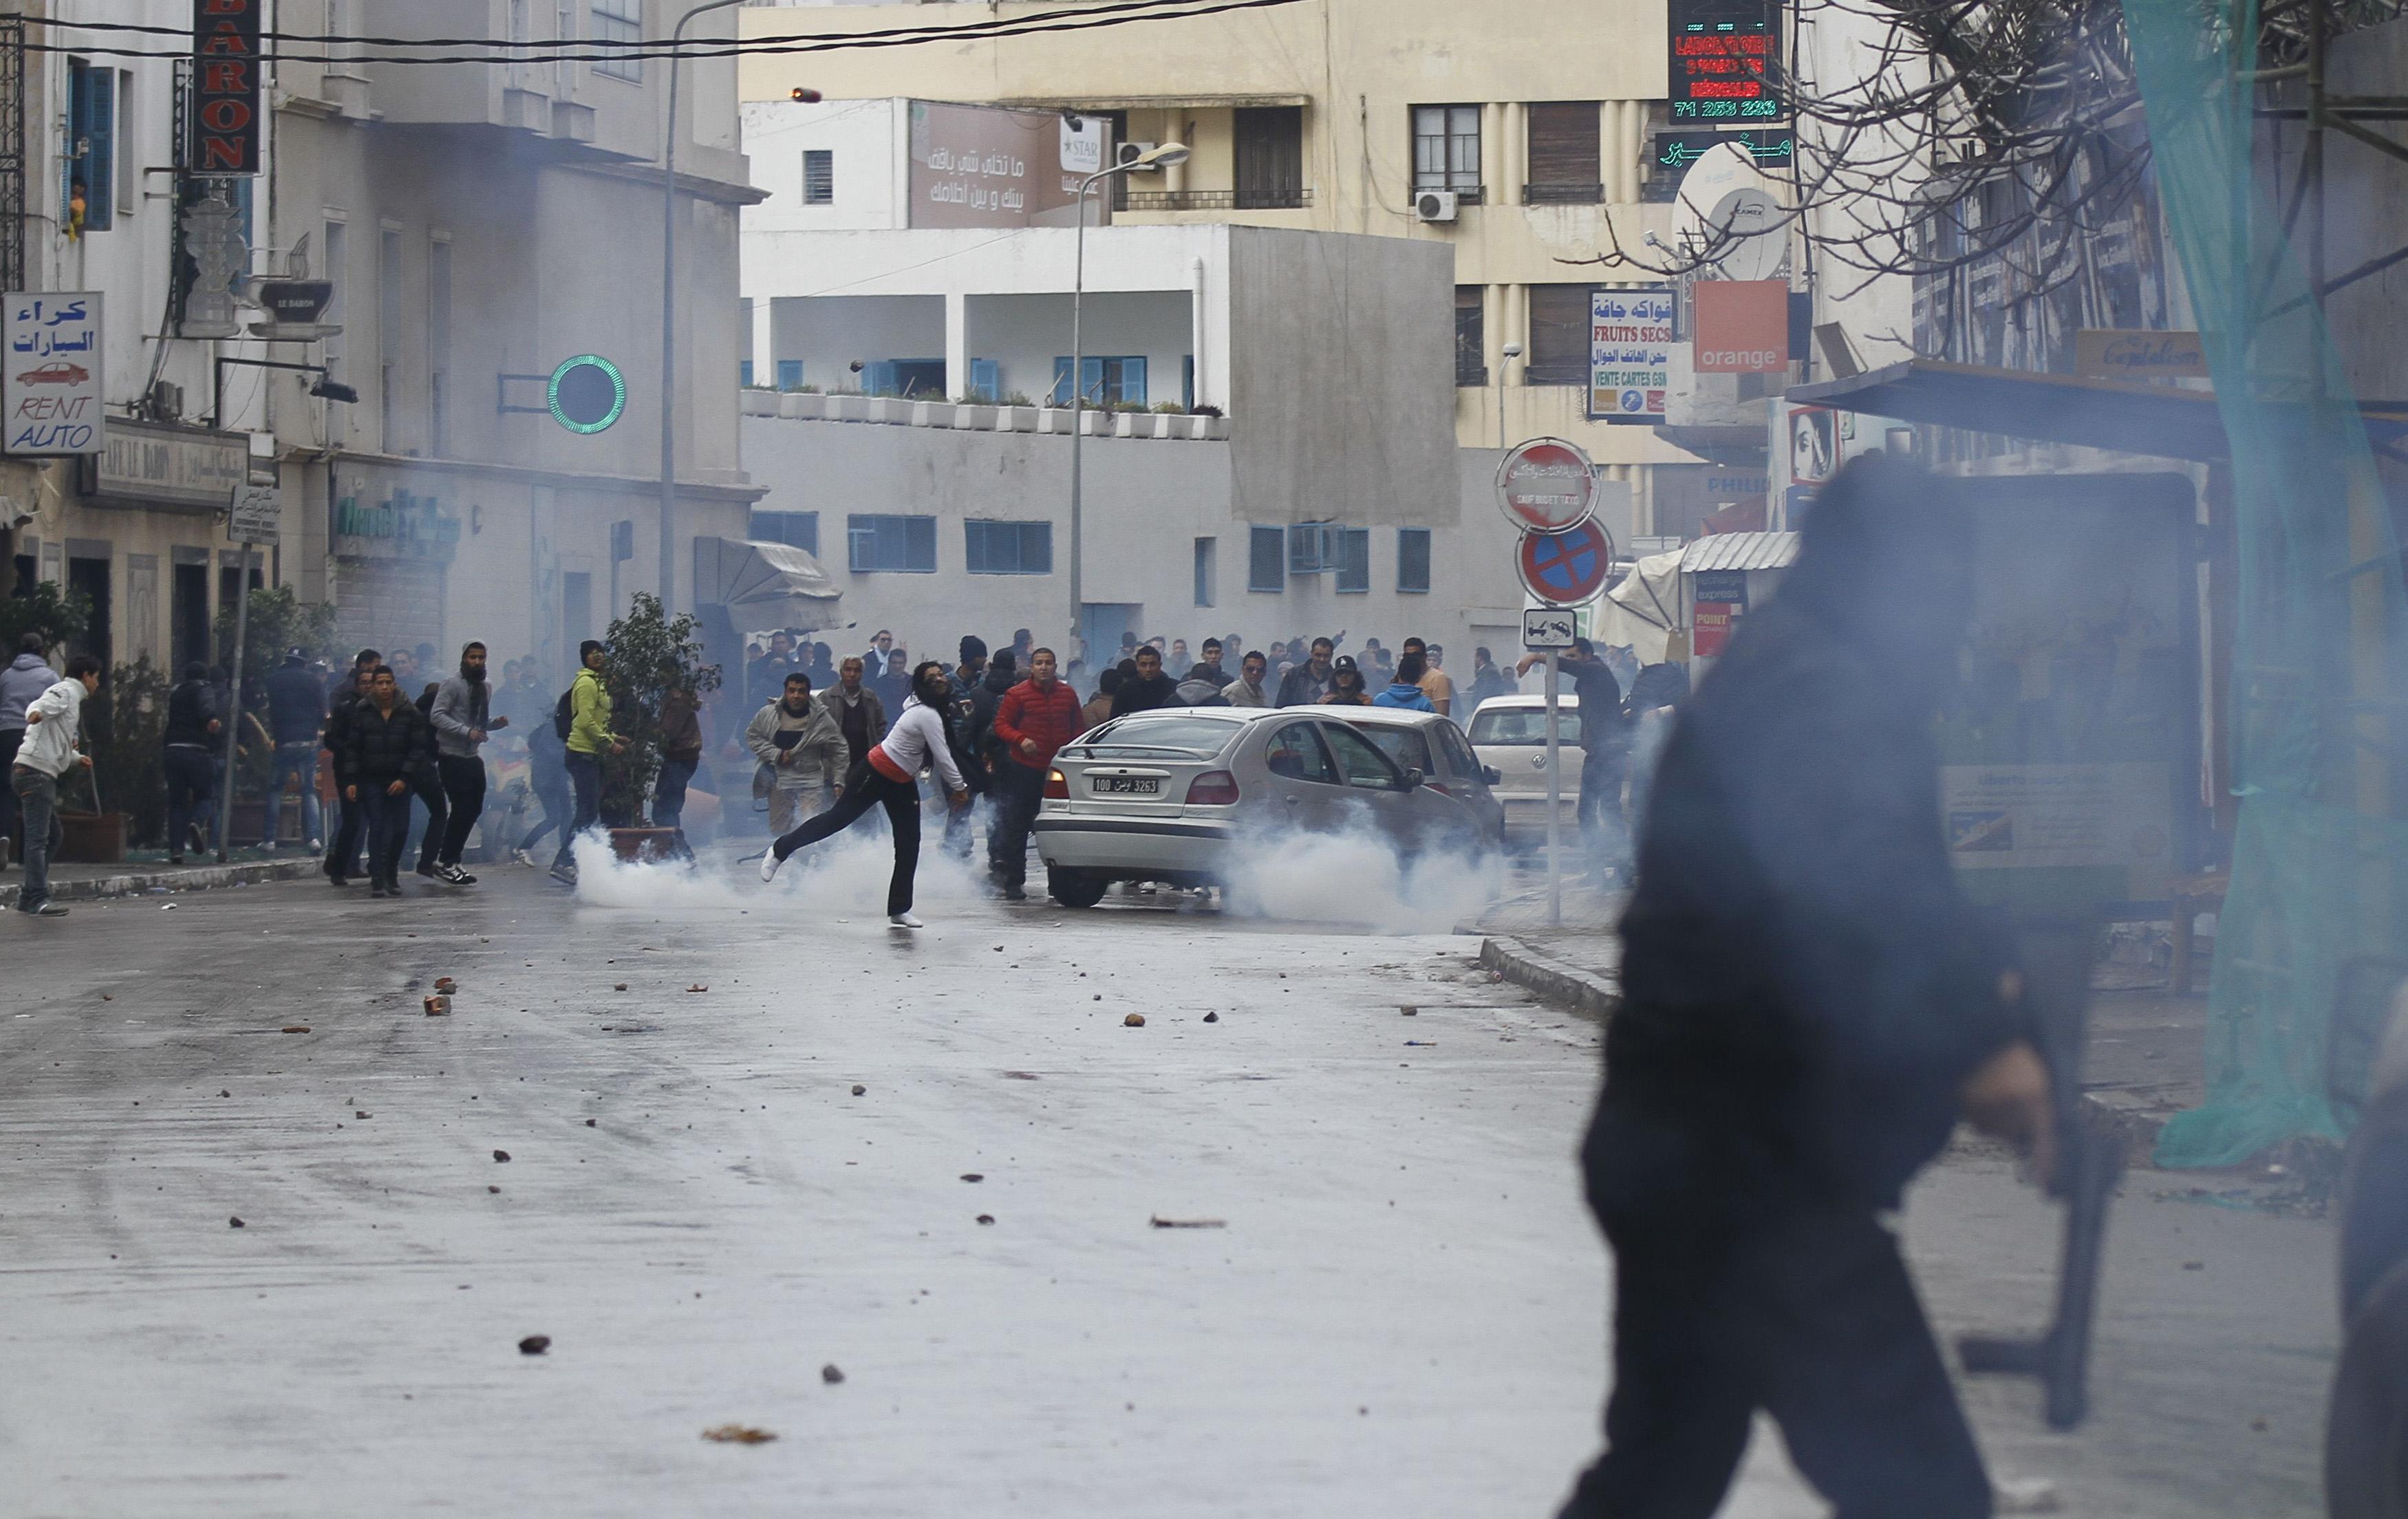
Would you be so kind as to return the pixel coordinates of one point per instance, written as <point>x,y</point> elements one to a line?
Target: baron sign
<point>1546,485</point>
<point>50,374</point>
<point>225,86</point>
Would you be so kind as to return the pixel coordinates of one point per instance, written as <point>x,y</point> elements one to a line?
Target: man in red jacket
<point>1032,722</point>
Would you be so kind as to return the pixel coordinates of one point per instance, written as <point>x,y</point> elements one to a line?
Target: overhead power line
<point>1131,12</point>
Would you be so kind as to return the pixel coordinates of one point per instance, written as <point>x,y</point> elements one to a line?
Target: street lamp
<point>1512,352</point>
<point>1169,156</point>
<point>668,307</point>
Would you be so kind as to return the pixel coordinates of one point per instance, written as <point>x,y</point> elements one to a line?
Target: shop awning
<point>764,585</point>
<point>2156,420</point>
<point>1644,610</point>
<point>1740,551</point>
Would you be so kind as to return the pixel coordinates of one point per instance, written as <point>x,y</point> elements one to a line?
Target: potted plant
<point>652,654</point>
<point>124,728</point>
<point>279,620</point>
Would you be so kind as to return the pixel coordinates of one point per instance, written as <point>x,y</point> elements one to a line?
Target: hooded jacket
<point>1412,698</point>
<point>297,704</point>
<point>25,679</point>
<point>589,706</point>
<point>461,707</point>
<point>51,744</point>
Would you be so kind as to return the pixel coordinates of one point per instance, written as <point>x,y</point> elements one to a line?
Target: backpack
<point>564,713</point>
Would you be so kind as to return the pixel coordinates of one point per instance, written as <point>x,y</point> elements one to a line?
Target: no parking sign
<point>1566,568</point>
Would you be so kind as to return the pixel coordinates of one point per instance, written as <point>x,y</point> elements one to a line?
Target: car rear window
<point>1525,726</point>
<point>1180,733</point>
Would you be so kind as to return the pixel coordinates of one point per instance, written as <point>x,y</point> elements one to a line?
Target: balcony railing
<point>1214,200</point>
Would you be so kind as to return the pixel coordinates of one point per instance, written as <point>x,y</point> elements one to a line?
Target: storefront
<point>394,536</point>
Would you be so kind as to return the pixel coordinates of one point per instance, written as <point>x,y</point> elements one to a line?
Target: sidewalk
<point>137,877</point>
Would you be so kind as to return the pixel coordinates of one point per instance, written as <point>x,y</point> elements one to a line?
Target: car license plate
<point>1128,785</point>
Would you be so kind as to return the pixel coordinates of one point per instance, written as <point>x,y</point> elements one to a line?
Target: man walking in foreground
<point>802,753</point>
<point>54,722</point>
<point>190,736</point>
<point>26,678</point>
<point>388,745</point>
<point>1809,1004</point>
<point>350,826</point>
<point>1032,722</point>
<point>462,722</point>
<point>589,738</point>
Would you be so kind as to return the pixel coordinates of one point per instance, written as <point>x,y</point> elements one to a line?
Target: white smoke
<point>843,877</point>
<point>1357,878</point>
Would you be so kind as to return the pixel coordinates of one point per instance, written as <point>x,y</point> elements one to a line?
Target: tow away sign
<point>1549,627</point>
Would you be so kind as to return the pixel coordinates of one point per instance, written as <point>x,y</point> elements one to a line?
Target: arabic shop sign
<point>181,467</point>
<point>986,166</point>
<point>1630,353</point>
<point>50,374</point>
<point>401,526</point>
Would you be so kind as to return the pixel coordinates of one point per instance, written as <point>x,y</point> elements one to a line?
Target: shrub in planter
<point>127,750</point>
<point>650,655</point>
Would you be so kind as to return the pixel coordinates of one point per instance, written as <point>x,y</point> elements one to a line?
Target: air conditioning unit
<point>1129,153</point>
<point>1437,206</point>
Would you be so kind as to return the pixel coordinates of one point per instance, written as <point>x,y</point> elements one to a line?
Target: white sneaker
<point>525,859</point>
<point>904,920</point>
<point>769,864</point>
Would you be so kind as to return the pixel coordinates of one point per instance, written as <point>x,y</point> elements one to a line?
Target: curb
<point>1567,987</point>
<point>171,878</point>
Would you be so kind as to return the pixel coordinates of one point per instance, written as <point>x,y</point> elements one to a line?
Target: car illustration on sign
<point>55,374</point>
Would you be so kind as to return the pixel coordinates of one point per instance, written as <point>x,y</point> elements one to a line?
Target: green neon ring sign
<point>588,415</point>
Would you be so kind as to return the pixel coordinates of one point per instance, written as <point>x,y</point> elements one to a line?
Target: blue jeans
<point>300,758</point>
<point>668,792</point>
<point>37,800</point>
<point>586,776</point>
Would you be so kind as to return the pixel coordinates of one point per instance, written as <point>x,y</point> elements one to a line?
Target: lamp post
<point>669,307</point>
<point>1512,352</point>
<point>1169,156</point>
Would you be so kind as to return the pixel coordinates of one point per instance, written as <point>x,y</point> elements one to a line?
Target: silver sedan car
<point>1167,795</point>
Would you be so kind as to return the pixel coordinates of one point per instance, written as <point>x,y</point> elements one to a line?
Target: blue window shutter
<point>878,378</point>
<point>1060,394</point>
<point>790,374</point>
<point>986,379</point>
<point>100,162</point>
<point>1132,381</point>
<point>744,371</point>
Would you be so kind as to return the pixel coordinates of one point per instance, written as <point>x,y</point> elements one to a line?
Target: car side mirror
<point>1489,775</point>
<point>1412,781</point>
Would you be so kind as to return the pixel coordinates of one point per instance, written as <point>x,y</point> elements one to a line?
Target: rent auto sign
<point>225,86</point>
<point>50,373</point>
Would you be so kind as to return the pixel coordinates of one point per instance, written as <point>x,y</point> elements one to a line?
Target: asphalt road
<point>1401,1314</point>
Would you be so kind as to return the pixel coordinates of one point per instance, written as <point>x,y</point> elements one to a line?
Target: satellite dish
<point>1722,195</point>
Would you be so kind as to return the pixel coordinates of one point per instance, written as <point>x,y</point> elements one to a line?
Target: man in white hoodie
<point>51,724</point>
<point>27,676</point>
<point>889,777</point>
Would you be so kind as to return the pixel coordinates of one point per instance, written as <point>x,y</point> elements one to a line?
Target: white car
<point>1167,795</point>
<point>1508,734</point>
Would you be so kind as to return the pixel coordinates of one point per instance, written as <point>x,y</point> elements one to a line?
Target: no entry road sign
<point>1546,485</point>
<point>1568,568</point>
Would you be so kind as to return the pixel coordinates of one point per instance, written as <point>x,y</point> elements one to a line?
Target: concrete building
<point>480,224</point>
<point>1530,125</point>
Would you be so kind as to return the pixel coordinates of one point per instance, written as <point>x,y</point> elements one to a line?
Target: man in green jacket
<point>589,738</point>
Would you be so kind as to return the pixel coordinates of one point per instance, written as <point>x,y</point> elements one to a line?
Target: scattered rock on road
<point>294,1028</point>
<point>987,1218</point>
<point>535,1344</point>
<point>446,984</point>
<point>739,1434</point>
<point>973,1176</point>
<point>1135,1020</point>
<point>860,1091</point>
<point>235,1223</point>
<point>501,1154</point>
<point>438,1006</point>
<point>1161,1223</point>
<point>831,1374</point>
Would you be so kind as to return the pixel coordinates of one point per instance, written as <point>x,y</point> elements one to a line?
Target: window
<point>1470,335</point>
<point>744,372</point>
<point>1106,380</point>
<point>619,21</point>
<point>1353,564</point>
<point>1412,559</point>
<point>90,159</point>
<point>994,548</point>
<point>1266,559</point>
<point>790,374</point>
<point>1446,148</point>
<point>1297,754</point>
<point>1270,157</point>
<point>891,543</point>
<point>1360,760</point>
<point>796,529</point>
<point>389,326</point>
<point>1560,331</point>
<point>920,378</point>
<point>1565,164</point>
<point>819,177</point>
<point>1405,746</point>
<point>986,380</point>
<point>1522,728</point>
<point>1207,553</point>
<point>438,346</point>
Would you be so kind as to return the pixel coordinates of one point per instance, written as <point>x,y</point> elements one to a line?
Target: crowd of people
<point>390,764</point>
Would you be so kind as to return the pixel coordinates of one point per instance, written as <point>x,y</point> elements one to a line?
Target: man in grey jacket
<point>462,724</point>
<point>26,678</point>
<point>802,754</point>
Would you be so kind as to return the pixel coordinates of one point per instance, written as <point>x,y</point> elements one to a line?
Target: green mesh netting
<point>2320,867</point>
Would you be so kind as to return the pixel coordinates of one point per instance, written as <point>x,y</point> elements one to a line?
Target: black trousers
<point>1731,1295</point>
<point>11,819</point>
<point>864,788</point>
<point>191,777</point>
<point>1018,791</point>
<point>464,793</point>
<point>388,829</point>
<point>425,785</point>
<point>343,849</point>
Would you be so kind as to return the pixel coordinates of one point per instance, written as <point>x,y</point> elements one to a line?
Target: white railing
<point>898,411</point>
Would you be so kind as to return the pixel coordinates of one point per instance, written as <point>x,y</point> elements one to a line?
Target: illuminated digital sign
<point>1725,59</point>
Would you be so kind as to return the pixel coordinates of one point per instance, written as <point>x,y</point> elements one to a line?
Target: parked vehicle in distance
<point>1437,748</point>
<point>1170,795</point>
<point>1508,734</point>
